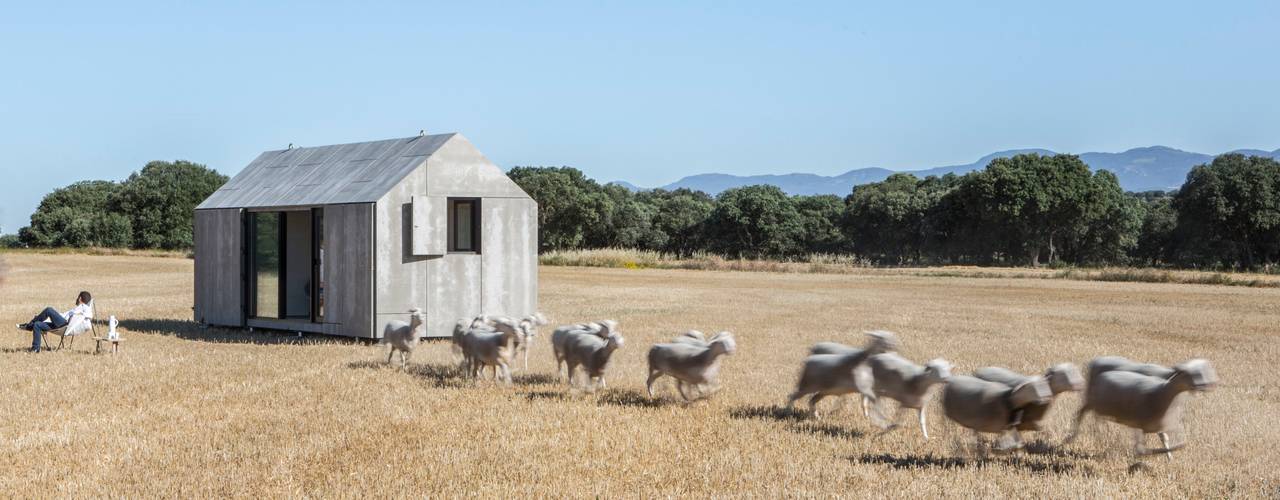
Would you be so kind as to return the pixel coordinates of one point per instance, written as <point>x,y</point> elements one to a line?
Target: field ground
<point>185,412</point>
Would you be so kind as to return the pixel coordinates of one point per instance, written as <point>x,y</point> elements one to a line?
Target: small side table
<point>115,344</point>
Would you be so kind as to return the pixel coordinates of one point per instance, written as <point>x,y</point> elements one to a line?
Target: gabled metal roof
<point>342,173</point>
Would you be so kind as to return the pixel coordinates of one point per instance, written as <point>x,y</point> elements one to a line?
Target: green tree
<point>1229,212</point>
<point>1036,201</point>
<point>78,216</point>
<point>160,201</point>
<point>1112,226</point>
<point>820,217</point>
<point>631,221</point>
<point>1156,241</point>
<point>573,210</point>
<point>756,222</point>
<point>892,221</point>
<point>681,216</point>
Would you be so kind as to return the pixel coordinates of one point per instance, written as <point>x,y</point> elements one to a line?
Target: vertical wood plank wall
<point>348,263</point>
<point>218,287</point>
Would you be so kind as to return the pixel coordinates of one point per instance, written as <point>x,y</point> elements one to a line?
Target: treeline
<point>151,209</point>
<point>1024,210</point>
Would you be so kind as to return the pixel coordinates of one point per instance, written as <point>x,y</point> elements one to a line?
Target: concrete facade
<point>385,252</point>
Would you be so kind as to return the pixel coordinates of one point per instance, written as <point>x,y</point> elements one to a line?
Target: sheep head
<point>1064,377</point>
<point>1034,391</point>
<point>879,341</point>
<point>937,370</point>
<point>606,327</point>
<point>1199,373</point>
<point>725,342</point>
<point>416,322</point>
<point>615,339</point>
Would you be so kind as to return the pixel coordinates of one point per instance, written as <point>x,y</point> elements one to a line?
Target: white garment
<point>78,319</point>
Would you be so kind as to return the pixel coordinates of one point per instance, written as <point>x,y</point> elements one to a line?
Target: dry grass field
<point>182,412</point>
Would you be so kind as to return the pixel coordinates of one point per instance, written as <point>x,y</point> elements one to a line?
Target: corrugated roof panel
<point>340,173</point>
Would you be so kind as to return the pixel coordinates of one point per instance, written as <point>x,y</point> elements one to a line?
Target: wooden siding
<point>218,284</point>
<point>348,264</point>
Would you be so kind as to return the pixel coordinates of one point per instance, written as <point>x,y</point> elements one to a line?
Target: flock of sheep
<point>1144,397</point>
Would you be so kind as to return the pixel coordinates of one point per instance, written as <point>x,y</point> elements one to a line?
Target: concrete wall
<point>500,280</point>
<point>218,285</point>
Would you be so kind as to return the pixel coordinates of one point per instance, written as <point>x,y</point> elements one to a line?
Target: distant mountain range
<point>1139,169</point>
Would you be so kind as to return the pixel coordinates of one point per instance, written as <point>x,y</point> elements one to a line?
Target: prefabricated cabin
<point>342,239</point>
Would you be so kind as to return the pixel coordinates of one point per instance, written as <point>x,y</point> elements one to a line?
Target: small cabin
<point>342,239</point>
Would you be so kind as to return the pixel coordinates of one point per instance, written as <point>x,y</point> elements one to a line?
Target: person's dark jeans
<point>48,319</point>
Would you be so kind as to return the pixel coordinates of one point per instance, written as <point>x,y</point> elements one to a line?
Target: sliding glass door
<point>285,253</point>
<point>266,264</point>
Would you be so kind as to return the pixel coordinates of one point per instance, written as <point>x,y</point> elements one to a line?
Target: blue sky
<point>642,91</point>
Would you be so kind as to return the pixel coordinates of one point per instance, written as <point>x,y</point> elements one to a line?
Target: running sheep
<point>691,363</point>
<point>992,407</point>
<point>1063,377</point>
<point>592,353</point>
<point>560,336</point>
<point>890,375</point>
<point>485,348</point>
<point>833,374</point>
<point>1144,403</point>
<point>403,337</point>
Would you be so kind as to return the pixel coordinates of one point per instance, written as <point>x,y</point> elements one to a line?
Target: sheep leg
<point>506,373</point>
<point>813,403</point>
<point>391,351</point>
<point>864,408</point>
<point>653,376</point>
<point>1137,443</point>
<point>791,400</point>
<point>878,415</point>
<point>681,386</point>
<point>1075,427</point>
<point>923,428</point>
<point>404,358</point>
<point>897,417</point>
<point>1164,440</point>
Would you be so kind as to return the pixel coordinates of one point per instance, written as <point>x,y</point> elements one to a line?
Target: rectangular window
<point>464,225</point>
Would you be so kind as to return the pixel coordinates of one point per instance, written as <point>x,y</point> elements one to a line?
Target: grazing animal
<point>562,334</point>
<point>592,353</point>
<point>1144,403</point>
<point>1063,377</point>
<point>528,331</point>
<point>893,376</point>
<point>689,363</point>
<point>993,407</point>
<point>838,348</point>
<point>833,374</point>
<point>491,348</point>
<point>403,337</point>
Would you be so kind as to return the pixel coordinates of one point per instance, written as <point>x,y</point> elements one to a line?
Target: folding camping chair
<point>68,332</point>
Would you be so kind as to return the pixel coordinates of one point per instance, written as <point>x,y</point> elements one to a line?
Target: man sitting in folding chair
<point>69,324</point>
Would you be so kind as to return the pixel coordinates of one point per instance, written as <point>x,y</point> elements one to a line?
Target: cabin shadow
<point>445,376</point>
<point>932,462</point>
<point>769,412</point>
<point>190,330</point>
<point>632,398</point>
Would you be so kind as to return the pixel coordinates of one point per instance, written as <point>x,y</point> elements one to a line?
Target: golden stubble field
<point>185,412</point>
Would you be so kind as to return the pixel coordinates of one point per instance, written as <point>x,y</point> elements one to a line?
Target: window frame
<point>452,227</point>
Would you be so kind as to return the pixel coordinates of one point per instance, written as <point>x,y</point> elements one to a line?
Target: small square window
<point>464,225</point>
